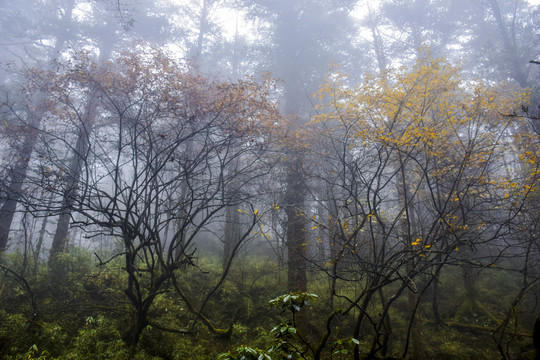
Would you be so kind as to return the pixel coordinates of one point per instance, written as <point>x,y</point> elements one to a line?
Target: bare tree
<point>137,178</point>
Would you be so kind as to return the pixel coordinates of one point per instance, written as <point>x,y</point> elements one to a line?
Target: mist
<point>286,179</point>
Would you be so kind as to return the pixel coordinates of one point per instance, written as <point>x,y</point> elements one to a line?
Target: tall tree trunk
<point>435,301</point>
<point>232,233</point>
<point>378,43</point>
<point>80,154</point>
<point>408,231</point>
<point>14,191</point>
<point>418,347</point>
<point>19,170</point>
<point>517,65</point>
<point>362,314</point>
<point>296,232</point>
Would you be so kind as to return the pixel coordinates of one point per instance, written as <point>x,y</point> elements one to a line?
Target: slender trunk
<point>41,237</point>
<point>80,154</point>
<point>360,319</point>
<point>408,231</point>
<point>435,302</point>
<point>418,348</point>
<point>178,241</point>
<point>387,324</point>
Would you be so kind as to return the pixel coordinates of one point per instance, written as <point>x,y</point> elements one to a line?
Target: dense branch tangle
<point>414,170</point>
<point>154,172</point>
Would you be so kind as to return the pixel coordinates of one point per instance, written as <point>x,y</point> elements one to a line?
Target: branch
<point>176,331</point>
<point>25,283</point>
<point>101,263</point>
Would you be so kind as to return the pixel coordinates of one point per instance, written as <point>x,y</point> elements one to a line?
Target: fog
<point>269,179</point>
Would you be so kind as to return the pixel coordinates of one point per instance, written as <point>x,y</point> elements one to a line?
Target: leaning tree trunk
<point>18,172</point>
<point>14,190</point>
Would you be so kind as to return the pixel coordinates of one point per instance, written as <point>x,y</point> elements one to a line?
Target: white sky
<point>228,17</point>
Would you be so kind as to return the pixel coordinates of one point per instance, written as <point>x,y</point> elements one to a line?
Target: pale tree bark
<point>232,231</point>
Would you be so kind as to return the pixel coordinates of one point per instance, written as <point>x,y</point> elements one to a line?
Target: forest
<point>269,179</point>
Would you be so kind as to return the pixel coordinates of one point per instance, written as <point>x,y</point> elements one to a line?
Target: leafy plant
<point>245,353</point>
<point>33,353</point>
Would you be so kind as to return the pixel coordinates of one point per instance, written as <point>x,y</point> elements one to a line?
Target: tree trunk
<point>408,231</point>
<point>296,232</point>
<point>418,347</point>
<point>435,301</point>
<point>14,191</point>
<point>232,233</point>
<point>80,153</point>
<point>517,64</point>
<point>360,318</point>
<point>7,212</point>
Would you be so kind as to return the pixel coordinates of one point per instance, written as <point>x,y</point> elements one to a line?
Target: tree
<point>28,123</point>
<point>414,168</point>
<point>301,51</point>
<point>136,178</point>
<point>43,34</point>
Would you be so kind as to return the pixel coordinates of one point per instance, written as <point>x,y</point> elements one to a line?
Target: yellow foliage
<point>428,108</point>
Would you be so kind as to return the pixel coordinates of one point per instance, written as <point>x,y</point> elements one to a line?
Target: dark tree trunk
<point>80,154</point>
<point>232,233</point>
<point>296,233</point>
<point>408,231</point>
<point>360,319</point>
<point>14,190</point>
<point>418,347</point>
<point>435,302</point>
<point>18,172</point>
